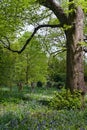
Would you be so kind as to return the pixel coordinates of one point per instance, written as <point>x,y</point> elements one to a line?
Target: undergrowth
<point>35,110</point>
<point>44,120</point>
<point>66,100</point>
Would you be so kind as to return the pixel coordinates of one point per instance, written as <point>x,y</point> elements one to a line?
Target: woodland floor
<point>28,110</point>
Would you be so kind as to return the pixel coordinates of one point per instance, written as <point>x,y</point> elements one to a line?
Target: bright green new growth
<point>65,100</point>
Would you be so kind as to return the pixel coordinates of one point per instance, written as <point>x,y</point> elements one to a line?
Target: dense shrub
<point>59,77</point>
<point>57,80</point>
<point>65,100</point>
<point>39,84</point>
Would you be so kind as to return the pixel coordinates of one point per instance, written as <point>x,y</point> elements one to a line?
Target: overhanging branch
<point>32,35</point>
<point>56,9</point>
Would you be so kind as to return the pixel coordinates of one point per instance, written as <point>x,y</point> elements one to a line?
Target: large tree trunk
<point>75,67</point>
<point>74,38</point>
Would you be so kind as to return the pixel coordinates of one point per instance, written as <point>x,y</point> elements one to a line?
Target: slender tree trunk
<point>75,67</point>
<point>27,75</point>
<point>27,69</point>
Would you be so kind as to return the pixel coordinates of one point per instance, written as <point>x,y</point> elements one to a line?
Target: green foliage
<point>53,21</point>
<point>82,3</point>
<point>59,77</point>
<point>66,27</point>
<point>65,100</point>
<point>7,63</point>
<point>31,65</point>
<point>10,15</point>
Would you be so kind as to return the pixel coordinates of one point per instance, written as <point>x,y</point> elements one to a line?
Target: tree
<point>31,65</point>
<point>71,20</point>
<point>74,37</point>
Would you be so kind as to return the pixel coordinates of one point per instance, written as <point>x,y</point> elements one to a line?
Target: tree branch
<point>56,8</point>
<point>58,52</point>
<point>30,38</point>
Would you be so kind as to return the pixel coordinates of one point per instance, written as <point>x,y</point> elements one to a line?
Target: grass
<point>28,110</point>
